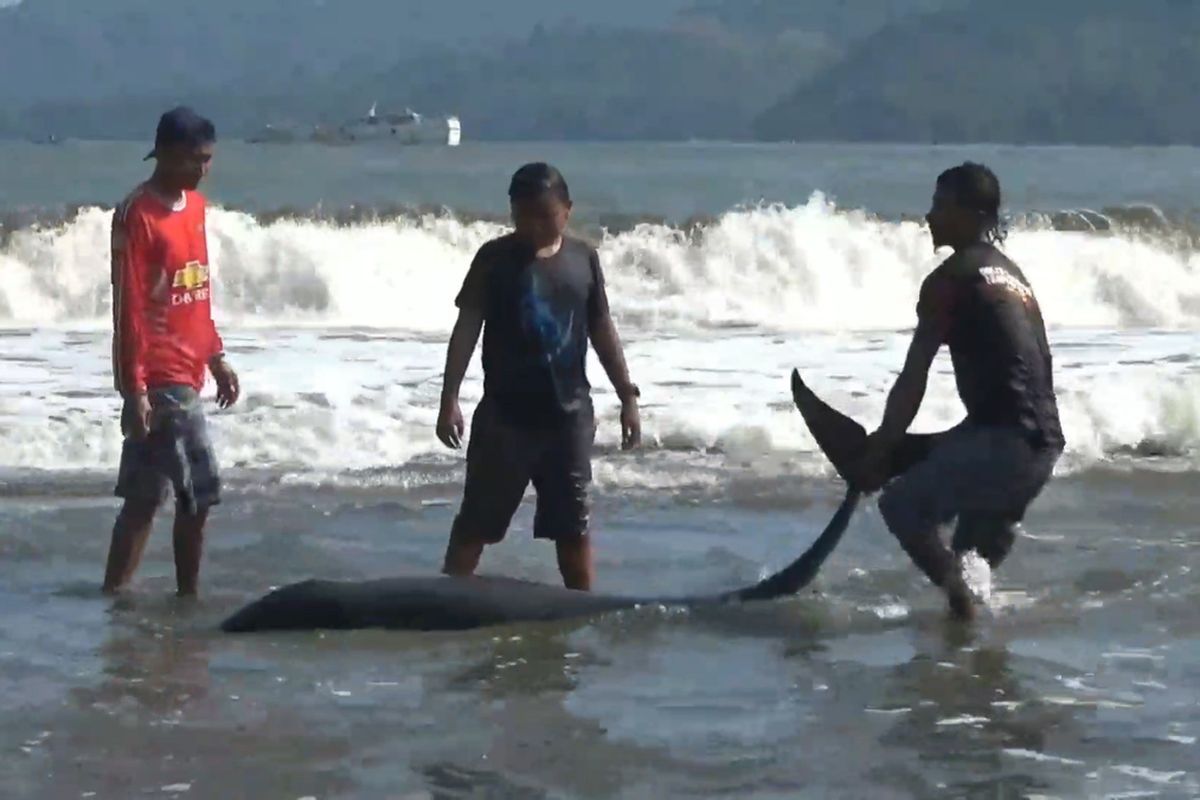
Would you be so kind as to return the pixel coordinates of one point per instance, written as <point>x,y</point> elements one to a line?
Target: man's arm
<point>216,347</point>
<point>450,424</point>
<point>902,405</point>
<point>909,390</point>
<point>471,302</point>
<point>604,338</point>
<point>229,388</point>
<point>131,251</point>
<point>603,333</point>
<point>458,353</point>
<point>935,309</point>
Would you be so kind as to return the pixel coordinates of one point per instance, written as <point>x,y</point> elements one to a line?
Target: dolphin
<point>446,603</point>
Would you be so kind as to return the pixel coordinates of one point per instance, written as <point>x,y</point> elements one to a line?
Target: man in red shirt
<point>163,340</point>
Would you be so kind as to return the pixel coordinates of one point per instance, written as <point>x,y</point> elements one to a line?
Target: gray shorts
<point>502,460</point>
<point>177,454</point>
<point>977,472</point>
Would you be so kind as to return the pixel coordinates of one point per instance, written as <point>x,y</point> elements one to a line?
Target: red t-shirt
<point>163,331</point>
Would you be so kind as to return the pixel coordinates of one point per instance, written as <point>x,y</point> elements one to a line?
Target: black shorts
<point>177,454</point>
<point>502,460</point>
<point>983,476</point>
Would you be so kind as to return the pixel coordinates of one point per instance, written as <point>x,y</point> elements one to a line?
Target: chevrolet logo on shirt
<point>192,276</point>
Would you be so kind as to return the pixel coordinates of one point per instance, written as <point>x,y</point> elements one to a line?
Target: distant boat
<point>405,127</point>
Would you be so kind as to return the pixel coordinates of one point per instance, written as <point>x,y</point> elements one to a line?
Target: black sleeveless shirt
<point>984,309</point>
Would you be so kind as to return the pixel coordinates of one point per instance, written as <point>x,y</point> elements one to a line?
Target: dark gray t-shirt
<point>537,314</point>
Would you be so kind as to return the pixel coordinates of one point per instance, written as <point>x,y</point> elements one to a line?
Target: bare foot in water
<point>962,605</point>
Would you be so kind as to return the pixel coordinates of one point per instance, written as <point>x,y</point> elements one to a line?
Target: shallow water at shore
<point>1080,681</point>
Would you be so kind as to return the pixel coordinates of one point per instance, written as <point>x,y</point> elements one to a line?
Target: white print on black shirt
<point>1002,278</point>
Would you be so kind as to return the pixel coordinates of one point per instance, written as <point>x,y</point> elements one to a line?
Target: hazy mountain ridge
<point>925,70</point>
<point>1081,71</point>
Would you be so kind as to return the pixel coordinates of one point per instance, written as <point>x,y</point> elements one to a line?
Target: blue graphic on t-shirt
<point>554,335</point>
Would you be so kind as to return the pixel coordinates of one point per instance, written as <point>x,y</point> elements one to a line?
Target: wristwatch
<point>627,391</point>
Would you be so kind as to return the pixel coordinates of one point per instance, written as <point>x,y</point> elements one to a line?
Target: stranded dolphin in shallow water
<point>445,603</point>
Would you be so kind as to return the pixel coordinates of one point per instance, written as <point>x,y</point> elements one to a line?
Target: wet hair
<point>977,188</point>
<point>537,180</point>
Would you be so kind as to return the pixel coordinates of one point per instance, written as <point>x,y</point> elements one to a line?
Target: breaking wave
<point>809,267</point>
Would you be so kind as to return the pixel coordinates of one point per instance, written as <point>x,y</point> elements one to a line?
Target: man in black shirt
<point>986,471</point>
<point>539,297</point>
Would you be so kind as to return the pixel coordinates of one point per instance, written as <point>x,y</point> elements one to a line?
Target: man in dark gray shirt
<point>984,473</point>
<point>538,297</point>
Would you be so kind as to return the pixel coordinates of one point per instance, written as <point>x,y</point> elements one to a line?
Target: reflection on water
<point>958,711</point>
<point>151,679</point>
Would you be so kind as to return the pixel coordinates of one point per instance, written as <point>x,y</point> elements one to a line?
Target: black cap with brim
<point>183,126</point>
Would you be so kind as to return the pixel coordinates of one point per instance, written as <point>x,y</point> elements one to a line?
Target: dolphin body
<point>449,603</point>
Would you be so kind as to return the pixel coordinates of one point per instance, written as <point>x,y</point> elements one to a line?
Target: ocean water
<point>335,271</point>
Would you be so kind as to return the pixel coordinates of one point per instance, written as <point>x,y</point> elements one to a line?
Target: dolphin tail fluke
<point>842,439</point>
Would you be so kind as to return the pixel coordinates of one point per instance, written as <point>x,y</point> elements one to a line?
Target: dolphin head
<point>301,606</point>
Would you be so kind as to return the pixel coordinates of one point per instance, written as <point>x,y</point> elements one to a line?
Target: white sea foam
<point>810,267</point>
<point>321,398</point>
<point>715,409</point>
<point>978,576</point>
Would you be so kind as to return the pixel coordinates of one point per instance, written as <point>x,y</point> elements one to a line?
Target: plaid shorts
<point>177,454</point>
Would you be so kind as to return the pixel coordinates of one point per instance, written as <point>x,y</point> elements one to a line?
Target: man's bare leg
<point>920,536</point>
<point>189,549</point>
<point>942,568</point>
<point>462,555</point>
<point>130,534</point>
<point>989,535</point>
<point>575,562</point>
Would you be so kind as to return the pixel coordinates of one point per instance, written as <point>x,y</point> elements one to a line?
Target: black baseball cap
<point>182,125</point>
